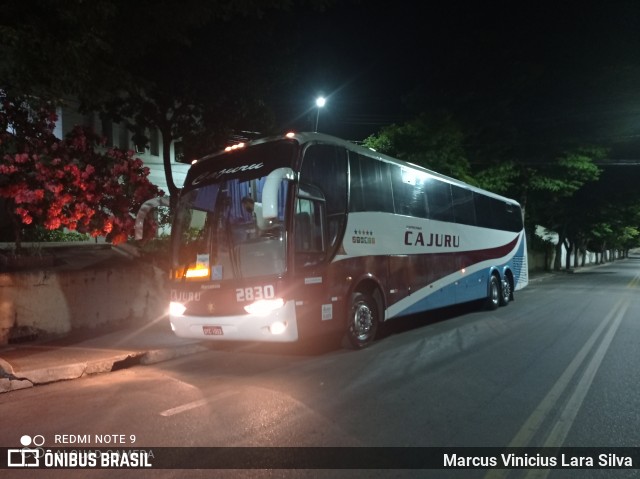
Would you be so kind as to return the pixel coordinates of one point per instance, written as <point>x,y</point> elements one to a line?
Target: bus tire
<point>505,291</point>
<point>494,293</point>
<point>363,320</point>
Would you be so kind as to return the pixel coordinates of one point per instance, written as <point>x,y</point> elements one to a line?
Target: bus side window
<point>303,232</point>
<point>463,206</point>
<point>325,167</point>
<point>439,199</point>
<point>409,195</point>
<point>370,184</point>
<point>309,232</point>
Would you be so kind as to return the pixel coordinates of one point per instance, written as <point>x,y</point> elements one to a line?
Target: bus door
<point>313,301</point>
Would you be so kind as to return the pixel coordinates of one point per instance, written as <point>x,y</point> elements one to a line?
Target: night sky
<point>565,68</point>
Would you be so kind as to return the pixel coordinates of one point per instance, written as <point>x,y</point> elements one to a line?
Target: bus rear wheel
<point>505,291</point>
<point>363,320</point>
<point>493,299</point>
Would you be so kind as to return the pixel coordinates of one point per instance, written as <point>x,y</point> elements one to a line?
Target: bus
<point>306,234</point>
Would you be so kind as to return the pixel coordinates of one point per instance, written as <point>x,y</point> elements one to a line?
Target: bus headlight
<point>176,309</point>
<point>263,307</point>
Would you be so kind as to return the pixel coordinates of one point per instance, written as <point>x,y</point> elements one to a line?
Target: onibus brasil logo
<point>32,454</point>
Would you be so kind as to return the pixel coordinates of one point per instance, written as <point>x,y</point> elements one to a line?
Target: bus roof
<point>312,137</point>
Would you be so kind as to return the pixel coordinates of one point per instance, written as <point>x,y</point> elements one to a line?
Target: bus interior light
<point>263,307</point>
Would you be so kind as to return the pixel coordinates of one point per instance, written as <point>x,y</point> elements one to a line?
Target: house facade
<point>117,135</point>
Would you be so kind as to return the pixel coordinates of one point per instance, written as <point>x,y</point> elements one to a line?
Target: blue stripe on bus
<point>469,288</point>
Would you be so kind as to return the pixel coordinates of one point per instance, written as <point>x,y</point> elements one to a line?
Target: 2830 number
<point>255,293</point>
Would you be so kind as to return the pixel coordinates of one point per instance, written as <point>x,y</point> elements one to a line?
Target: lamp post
<point>320,102</point>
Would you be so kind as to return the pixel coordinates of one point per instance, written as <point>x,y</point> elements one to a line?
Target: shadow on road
<point>322,345</point>
<point>419,320</point>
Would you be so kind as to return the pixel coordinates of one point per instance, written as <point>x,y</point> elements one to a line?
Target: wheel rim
<point>362,321</point>
<point>495,292</point>
<point>506,289</point>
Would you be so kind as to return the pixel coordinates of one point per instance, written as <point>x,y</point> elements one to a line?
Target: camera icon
<point>26,456</point>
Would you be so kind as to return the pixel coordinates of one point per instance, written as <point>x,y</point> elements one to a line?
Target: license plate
<point>212,330</point>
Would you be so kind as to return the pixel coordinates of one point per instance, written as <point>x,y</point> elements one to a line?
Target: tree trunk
<point>17,225</point>
<point>547,261</point>
<point>557,263</point>
<point>167,139</point>
<point>568,244</point>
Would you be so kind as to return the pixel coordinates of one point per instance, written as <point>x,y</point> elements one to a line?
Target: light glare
<point>176,309</point>
<point>278,327</point>
<point>263,307</point>
<point>197,272</point>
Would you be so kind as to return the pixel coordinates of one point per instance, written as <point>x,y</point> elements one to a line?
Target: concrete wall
<point>537,259</point>
<point>113,290</point>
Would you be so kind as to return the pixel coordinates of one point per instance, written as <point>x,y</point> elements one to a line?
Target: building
<point>119,136</point>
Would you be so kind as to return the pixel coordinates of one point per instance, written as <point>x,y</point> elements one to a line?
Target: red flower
<point>57,183</point>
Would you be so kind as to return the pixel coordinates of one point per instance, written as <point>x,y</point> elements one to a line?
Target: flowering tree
<point>66,183</point>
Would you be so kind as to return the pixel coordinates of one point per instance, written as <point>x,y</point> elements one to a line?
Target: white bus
<point>306,234</point>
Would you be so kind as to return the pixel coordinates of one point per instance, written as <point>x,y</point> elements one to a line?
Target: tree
<point>201,102</point>
<point>611,210</point>
<point>191,69</point>
<point>552,188</point>
<point>65,183</point>
<point>436,144</point>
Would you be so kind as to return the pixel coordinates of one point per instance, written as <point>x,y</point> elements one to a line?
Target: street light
<point>320,102</point>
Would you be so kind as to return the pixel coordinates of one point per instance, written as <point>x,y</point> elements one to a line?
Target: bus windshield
<point>233,228</point>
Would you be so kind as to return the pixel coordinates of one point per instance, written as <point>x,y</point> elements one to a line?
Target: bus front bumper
<point>278,325</point>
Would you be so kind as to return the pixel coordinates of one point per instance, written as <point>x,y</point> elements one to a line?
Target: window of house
<point>178,151</point>
<point>154,142</point>
<point>107,131</point>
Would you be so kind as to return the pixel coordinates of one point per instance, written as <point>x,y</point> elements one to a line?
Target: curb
<point>11,381</point>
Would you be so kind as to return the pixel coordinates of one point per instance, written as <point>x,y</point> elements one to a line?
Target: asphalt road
<point>557,367</point>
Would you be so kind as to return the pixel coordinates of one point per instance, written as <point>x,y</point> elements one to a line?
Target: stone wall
<point>111,288</point>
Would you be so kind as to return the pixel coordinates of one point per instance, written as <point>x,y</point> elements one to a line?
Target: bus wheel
<point>363,320</point>
<point>493,300</point>
<point>505,293</point>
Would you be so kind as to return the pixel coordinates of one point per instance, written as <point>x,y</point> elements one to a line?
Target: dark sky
<point>566,66</point>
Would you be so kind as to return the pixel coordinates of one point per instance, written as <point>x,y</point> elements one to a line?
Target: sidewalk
<point>83,353</point>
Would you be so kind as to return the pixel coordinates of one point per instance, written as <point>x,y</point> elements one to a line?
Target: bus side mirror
<point>270,191</point>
